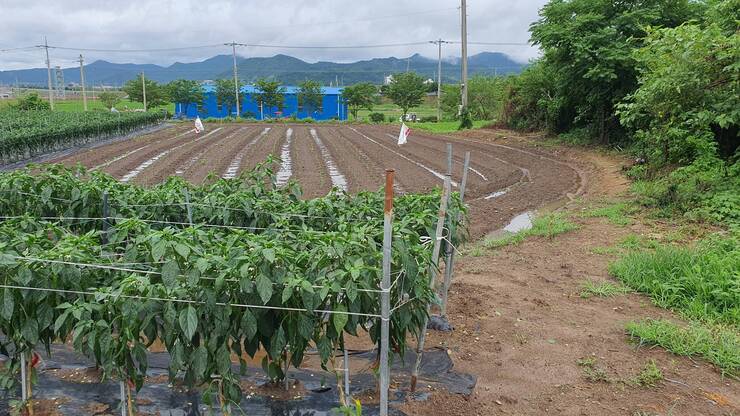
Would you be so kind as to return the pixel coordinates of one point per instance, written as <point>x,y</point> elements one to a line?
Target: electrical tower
<point>59,82</point>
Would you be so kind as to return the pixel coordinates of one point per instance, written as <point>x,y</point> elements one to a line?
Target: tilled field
<point>504,180</point>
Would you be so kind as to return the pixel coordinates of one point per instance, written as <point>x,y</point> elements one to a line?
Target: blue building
<point>332,107</point>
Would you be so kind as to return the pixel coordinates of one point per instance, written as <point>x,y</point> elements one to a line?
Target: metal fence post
<point>450,259</point>
<point>188,206</point>
<point>123,398</point>
<point>385,301</point>
<point>24,378</point>
<point>347,396</point>
<point>432,276</point>
<point>106,214</point>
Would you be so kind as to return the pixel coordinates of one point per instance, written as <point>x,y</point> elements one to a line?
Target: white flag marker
<point>404,134</point>
<point>199,125</point>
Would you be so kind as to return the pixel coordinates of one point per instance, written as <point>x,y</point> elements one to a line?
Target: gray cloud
<point>142,24</point>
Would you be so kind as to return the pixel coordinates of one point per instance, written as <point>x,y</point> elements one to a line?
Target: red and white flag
<point>404,134</point>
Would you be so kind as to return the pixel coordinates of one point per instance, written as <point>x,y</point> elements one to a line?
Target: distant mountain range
<point>287,69</point>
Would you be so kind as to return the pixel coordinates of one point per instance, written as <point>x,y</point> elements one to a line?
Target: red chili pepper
<point>131,384</point>
<point>35,359</point>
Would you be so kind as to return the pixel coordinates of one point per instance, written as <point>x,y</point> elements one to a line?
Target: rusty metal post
<point>432,277</point>
<point>385,295</point>
<point>450,260</point>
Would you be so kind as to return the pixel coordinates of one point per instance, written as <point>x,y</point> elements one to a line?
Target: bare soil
<point>521,325</point>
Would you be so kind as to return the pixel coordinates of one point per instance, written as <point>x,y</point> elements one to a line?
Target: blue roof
<point>289,89</point>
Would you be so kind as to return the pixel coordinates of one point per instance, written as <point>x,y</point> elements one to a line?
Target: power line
<point>382,45</point>
<point>20,48</point>
<point>182,48</point>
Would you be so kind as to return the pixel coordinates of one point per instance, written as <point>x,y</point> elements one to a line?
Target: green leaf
<point>188,322</point>
<point>305,327</point>
<point>61,319</point>
<point>264,288</point>
<point>199,361</point>
<point>223,360</point>
<point>340,319</point>
<point>324,348</point>
<point>8,304</point>
<point>269,254</point>
<point>158,250</point>
<point>202,264</point>
<point>170,273</point>
<point>182,250</point>
<point>287,293</point>
<point>24,275</point>
<point>30,331</point>
<point>249,324</point>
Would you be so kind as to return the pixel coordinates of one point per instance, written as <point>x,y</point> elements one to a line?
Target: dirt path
<point>521,326</point>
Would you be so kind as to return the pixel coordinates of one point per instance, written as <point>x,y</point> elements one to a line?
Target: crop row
<point>303,275</point>
<point>26,134</point>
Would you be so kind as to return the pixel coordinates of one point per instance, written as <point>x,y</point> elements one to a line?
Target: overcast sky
<point>147,24</point>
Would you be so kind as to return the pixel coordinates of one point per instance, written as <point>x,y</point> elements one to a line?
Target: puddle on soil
<point>521,222</point>
<point>497,194</point>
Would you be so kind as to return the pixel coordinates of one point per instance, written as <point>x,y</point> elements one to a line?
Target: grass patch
<point>638,242</point>
<point>549,225</point>
<point>591,370</point>
<point>700,282</point>
<point>716,343</point>
<point>649,376</point>
<point>617,214</point>
<point>444,127</point>
<point>604,251</point>
<point>602,289</point>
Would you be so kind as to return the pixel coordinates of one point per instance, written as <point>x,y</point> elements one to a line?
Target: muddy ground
<point>505,178</point>
<point>520,325</point>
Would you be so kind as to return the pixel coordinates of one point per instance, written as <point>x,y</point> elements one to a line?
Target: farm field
<point>504,180</point>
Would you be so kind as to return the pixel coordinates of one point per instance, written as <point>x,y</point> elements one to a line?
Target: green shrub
<point>376,117</point>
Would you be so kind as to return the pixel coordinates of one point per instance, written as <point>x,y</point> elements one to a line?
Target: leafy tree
<point>31,102</point>
<point>186,92</point>
<point>687,105</point>
<point>109,99</point>
<point>485,97</point>
<point>407,90</point>
<point>270,94</point>
<point>359,96</point>
<point>309,96</point>
<point>588,45</point>
<point>226,93</point>
<point>156,94</point>
<point>531,100</point>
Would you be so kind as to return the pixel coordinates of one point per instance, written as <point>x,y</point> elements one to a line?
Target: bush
<point>31,102</point>
<point>706,190</point>
<point>377,117</point>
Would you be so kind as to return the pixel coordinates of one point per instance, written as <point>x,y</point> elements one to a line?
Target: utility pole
<point>48,74</point>
<point>439,76</point>
<point>236,79</point>
<point>143,88</point>
<point>82,82</point>
<point>464,29</point>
